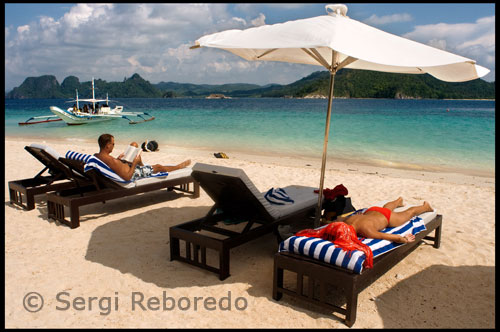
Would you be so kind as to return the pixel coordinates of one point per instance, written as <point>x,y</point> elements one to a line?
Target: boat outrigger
<point>47,118</point>
<point>90,113</point>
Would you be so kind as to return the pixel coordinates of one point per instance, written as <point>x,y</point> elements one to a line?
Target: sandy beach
<point>94,275</point>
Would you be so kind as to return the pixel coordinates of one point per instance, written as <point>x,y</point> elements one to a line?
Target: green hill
<point>202,90</point>
<point>370,84</point>
<point>348,84</point>
<point>37,87</point>
<point>48,87</point>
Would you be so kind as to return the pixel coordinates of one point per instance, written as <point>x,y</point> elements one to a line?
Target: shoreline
<point>385,168</point>
<point>284,97</point>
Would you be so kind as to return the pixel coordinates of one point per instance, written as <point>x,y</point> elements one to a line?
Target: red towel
<point>343,236</point>
<point>331,194</point>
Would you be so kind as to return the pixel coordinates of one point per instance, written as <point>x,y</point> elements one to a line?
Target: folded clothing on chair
<point>278,196</point>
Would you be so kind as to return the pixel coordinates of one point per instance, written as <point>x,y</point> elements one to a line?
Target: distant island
<point>217,96</point>
<point>348,84</point>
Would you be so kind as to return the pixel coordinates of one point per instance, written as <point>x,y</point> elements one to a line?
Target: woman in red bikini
<point>345,230</point>
<point>373,220</point>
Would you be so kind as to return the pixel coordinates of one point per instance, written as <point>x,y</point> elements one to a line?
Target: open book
<point>130,154</point>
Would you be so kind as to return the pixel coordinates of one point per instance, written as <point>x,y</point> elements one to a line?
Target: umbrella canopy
<point>335,41</point>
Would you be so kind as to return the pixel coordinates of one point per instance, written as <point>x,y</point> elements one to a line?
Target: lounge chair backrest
<point>46,148</point>
<point>47,156</point>
<point>232,190</point>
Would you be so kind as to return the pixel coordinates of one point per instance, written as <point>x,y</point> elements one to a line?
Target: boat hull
<point>77,119</point>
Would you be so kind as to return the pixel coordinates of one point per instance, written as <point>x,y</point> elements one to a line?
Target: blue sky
<point>114,41</point>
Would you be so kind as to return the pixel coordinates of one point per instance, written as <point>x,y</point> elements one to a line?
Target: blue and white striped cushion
<point>78,156</point>
<point>326,251</point>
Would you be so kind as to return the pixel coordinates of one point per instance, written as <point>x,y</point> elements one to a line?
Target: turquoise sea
<point>407,133</point>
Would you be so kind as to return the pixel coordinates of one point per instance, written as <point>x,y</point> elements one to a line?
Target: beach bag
<point>149,146</point>
<point>339,206</point>
<point>348,206</point>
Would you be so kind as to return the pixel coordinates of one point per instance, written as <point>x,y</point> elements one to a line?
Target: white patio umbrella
<point>335,41</point>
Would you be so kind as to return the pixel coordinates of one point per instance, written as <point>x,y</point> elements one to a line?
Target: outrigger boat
<point>47,118</point>
<point>91,113</point>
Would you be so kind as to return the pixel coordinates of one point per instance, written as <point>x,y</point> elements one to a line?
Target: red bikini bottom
<point>386,212</point>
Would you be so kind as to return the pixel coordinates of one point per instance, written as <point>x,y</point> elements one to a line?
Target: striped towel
<point>78,156</point>
<point>327,252</point>
<point>95,163</point>
<point>278,196</point>
<point>92,162</point>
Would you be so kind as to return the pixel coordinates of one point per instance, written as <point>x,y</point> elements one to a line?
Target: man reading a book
<point>133,170</point>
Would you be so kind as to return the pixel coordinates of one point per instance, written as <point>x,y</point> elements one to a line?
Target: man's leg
<point>394,204</point>
<point>399,218</point>
<point>160,168</point>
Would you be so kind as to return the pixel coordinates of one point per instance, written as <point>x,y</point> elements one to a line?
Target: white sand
<point>122,248</point>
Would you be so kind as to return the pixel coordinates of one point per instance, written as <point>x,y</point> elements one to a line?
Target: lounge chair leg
<point>30,202</point>
<point>351,307</point>
<point>437,237</point>
<point>277,280</point>
<point>75,216</point>
<point>224,264</point>
<point>196,189</point>
<point>174,248</point>
<point>15,197</point>
<point>351,312</point>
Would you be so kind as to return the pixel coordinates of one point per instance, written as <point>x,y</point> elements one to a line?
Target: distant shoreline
<point>377,85</point>
<point>380,167</point>
<point>205,97</point>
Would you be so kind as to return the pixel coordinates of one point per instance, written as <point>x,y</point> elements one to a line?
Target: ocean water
<point>399,133</point>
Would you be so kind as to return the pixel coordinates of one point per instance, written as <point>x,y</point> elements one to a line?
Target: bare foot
<point>427,207</point>
<point>185,163</point>
<point>399,201</point>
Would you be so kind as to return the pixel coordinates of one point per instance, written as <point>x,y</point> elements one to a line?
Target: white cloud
<point>387,19</point>
<point>110,41</point>
<point>472,40</point>
<point>261,20</point>
<point>23,28</point>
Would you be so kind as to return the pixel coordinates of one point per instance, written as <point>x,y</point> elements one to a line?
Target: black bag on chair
<point>337,207</point>
<point>149,146</point>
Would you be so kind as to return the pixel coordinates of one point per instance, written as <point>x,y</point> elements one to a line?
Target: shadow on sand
<point>441,297</point>
<point>140,245</point>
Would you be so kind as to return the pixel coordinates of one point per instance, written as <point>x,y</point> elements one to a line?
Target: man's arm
<point>122,169</point>
<point>391,237</point>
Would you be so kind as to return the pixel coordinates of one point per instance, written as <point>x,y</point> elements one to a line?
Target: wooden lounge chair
<point>60,177</point>
<point>103,189</point>
<point>235,198</point>
<point>346,282</point>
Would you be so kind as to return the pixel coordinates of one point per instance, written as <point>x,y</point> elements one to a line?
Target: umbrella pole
<point>325,145</point>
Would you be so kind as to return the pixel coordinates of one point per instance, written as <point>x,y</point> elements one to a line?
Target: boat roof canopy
<point>88,100</point>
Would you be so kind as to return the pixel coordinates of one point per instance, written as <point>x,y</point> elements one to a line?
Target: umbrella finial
<point>338,9</point>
